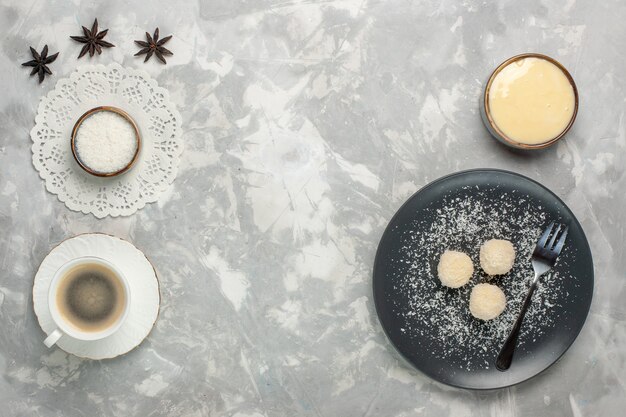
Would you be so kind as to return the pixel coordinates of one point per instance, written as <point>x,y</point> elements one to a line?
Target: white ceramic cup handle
<point>53,338</point>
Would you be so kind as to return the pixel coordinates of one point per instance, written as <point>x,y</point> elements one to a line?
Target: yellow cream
<point>531,101</point>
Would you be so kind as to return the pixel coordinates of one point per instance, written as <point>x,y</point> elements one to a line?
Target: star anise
<point>154,46</point>
<point>40,62</point>
<point>93,40</point>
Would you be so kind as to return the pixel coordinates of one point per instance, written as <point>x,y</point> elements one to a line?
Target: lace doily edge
<point>39,120</point>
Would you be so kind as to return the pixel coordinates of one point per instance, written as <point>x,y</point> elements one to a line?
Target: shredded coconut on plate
<point>437,318</point>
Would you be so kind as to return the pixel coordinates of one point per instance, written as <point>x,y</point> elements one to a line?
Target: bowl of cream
<point>530,101</point>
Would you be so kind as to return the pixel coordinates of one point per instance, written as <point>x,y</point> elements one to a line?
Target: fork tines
<point>553,246</point>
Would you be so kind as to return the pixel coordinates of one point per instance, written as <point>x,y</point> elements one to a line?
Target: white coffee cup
<point>66,328</point>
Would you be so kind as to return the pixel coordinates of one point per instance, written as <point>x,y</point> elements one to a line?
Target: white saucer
<point>144,290</point>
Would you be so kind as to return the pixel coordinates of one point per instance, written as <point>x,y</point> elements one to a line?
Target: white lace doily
<point>159,124</point>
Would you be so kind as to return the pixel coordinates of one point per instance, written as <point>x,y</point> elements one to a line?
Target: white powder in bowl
<point>105,142</point>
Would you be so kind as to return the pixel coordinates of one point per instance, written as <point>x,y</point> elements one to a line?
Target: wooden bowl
<point>120,112</point>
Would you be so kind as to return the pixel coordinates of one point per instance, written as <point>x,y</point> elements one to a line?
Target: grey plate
<point>539,353</point>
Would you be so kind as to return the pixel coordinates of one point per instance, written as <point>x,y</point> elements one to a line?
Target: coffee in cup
<point>88,298</point>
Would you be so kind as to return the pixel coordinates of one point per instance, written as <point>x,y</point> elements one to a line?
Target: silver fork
<point>543,259</point>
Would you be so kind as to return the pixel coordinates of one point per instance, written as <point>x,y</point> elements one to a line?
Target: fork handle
<point>503,361</point>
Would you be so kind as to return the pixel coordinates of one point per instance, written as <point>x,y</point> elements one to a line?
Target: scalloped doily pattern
<point>159,124</point>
